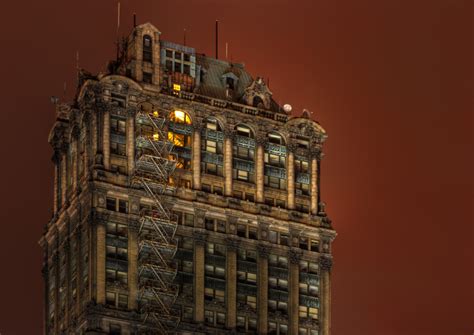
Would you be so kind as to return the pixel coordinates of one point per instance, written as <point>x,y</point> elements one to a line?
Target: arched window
<point>275,162</point>
<point>244,154</point>
<point>147,48</point>
<point>258,102</point>
<point>212,143</point>
<point>179,133</point>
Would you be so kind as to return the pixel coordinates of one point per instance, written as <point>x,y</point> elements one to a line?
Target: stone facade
<point>254,241</point>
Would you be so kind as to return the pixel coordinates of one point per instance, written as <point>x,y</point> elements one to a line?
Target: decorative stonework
<point>325,263</point>
<point>258,94</point>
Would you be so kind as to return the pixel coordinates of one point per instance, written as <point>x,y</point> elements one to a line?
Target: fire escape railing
<point>156,235</point>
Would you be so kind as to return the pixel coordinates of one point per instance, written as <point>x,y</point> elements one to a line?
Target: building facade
<point>186,201</point>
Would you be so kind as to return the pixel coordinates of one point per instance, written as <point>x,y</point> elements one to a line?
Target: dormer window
<point>229,82</point>
<point>147,49</point>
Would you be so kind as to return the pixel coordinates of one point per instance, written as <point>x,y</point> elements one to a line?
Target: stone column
<point>293,291</point>
<point>100,225</point>
<point>290,168</point>
<point>131,141</point>
<point>314,186</point>
<point>106,140</point>
<point>45,274</point>
<point>262,288</point>
<point>259,168</point>
<point>228,163</point>
<point>67,295</point>
<point>325,264</point>
<point>199,275</point>
<point>196,168</point>
<point>133,264</point>
<point>74,161</point>
<point>94,137</point>
<point>231,282</point>
<point>57,285</point>
<point>57,189</point>
<point>63,177</point>
<point>78,256</point>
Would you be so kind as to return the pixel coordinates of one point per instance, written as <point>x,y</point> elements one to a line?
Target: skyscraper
<point>186,200</point>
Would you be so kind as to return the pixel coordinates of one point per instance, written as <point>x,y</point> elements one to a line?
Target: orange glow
<point>180,117</point>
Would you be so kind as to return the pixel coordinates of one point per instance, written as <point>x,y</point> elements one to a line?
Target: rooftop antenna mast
<point>118,27</point>
<point>184,37</point>
<point>217,39</point>
<point>226,50</point>
<point>134,20</point>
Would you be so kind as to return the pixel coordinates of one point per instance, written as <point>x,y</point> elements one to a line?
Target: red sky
<point>390,80</point>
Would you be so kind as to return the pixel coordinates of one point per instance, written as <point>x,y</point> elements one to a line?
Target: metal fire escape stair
<point>156,236</point>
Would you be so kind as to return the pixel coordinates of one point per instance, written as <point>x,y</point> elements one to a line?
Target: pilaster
<point>231,281</point>
<point>290,168</point>
<point>199,272</point>
<point>262,288</point>
<point>106,139</point>
<point>131,140</point>
<point>228,163</point>
<point>196,168</point>
<point>293,290</point>
<point>325,265</point>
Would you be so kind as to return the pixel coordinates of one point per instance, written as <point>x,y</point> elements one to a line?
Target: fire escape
<point>156,236</point>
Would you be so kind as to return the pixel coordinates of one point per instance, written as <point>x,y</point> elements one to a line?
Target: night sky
<point>390,81</point>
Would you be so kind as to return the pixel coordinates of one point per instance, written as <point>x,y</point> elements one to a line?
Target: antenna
<point>77,59</point>
<point>64,89</point>
<point>118,27</point>
<point>226,49</point>
<point>184,37</point>
<point>217,39</point>
<point>134,20</point>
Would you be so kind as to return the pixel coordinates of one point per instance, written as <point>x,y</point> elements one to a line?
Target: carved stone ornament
<point>294,255</point>
<point>263,250</point>
<point>232,243</point>
<point>325,263</point>
<point>200,237</point>
<point>261,139</point>
<point>258,94</point>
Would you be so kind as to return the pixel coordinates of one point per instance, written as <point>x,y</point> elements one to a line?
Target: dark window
<point>147,77</point>
<point>169,53</point>
<point>229,82</point>
<point>177,55</point>
<point>169,65</point>
<point>187,69</point>
<point>187,57</point>
<point>177,66</point>
<point>147,49</point>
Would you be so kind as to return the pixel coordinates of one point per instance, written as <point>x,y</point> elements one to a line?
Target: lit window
<point>180,117</point>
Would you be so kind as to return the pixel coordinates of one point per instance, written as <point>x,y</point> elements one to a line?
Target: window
<point>169,65</point>
<point>275,138</point>
<point>214,318</point>
<point>302,142</point>
<point>179,140</point>
<point>177,55</point>
<point>246,324</point>
<point>301,166</point>
<point>275,182</point>
<point>118,149</point>
<point>213,124</point>
<point>117,126</point>
<point>215,249</point>
<point>147,49</point>
<point>306,312</point>
<point>244,131</point>
<point>147,77</point>
<point>301,188</point>
<point>187,57</point>
<point>247,277</point>
<point>211,294</point>
<point>117,300</point>
<point>308,267</point>
<point>314,245</point>
<point>188,313</point>
<point>214,169</point>
<point>249,300</point>
<point>117,205</point>
<point>169,53</point>
<point>177,66</point>
<point>229,82</point>
<point>180,117</point>
<point>247,255</point>
<point>278,261</point>
<point>309,289</point>
<point>275,160</point>
<point>278,283</point>
<point>302,208</point>
<point>242,175</point>
<point>187,69</point>
<point>115,329</point>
